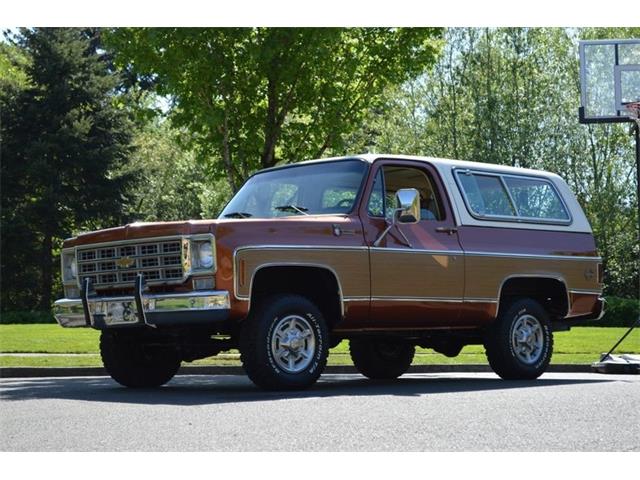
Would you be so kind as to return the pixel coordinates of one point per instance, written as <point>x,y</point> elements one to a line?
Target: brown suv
<point>389,252</point>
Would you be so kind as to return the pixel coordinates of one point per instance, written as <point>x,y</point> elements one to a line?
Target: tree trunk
<point>271,128</point>
<point>226,154</point>
<point>46,261</point>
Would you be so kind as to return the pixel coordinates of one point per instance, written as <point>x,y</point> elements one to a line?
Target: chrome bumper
<point>198,307</point>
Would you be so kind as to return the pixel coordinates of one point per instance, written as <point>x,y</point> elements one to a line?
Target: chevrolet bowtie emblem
<point>125,262</point>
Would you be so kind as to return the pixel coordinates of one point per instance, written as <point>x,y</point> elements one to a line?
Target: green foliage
<point>253,97</point>
<point>62,138</point>
<point>13,65</point>
<point>172,184</point>
<point>170,178</point>
<point>619,312</point>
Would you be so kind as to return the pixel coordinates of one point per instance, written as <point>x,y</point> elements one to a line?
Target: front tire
<point>519,344</point>
<point>134,363</point>
<point>381,359</point>
<point>284,343</point>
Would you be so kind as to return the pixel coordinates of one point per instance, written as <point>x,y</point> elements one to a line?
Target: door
<point>417,270</point>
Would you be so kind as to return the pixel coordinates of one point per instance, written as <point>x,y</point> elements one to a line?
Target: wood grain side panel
<point>486,274</point>
<point>416,274</point>
<point>350,265</point>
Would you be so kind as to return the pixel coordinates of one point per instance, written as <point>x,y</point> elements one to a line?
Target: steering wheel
<point>345,202</point>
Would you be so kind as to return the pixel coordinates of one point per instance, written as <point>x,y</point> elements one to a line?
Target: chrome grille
<point>106,266</point>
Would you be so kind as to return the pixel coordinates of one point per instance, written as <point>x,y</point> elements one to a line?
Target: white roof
<point>450,163</point>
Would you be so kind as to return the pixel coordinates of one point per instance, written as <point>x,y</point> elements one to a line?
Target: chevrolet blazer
<point>388,252</point>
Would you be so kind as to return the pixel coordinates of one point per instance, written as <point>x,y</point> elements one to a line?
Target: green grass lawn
<point>580,345</point>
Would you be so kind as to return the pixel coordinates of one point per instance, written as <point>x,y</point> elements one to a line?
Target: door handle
<point>448,230</point>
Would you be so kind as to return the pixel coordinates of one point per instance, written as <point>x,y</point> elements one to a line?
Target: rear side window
<point>486,195</point>
<point>512,198</point>
<point>535,199</point>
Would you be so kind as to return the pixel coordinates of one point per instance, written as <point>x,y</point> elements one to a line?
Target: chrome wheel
<point>293,343</point>
<point>527,339</point>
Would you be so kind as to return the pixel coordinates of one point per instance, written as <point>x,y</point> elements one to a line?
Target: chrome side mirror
<point>408,204</point>
<point>407,211</point>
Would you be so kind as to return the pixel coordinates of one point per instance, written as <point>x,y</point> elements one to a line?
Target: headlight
<point>205,255</point>
<point>69,266</point>
<point>202,256</point>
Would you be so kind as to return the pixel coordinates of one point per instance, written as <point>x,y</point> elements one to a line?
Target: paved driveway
<point>424,412</point>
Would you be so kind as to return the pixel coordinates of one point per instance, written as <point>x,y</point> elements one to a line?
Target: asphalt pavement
<point>342,412</point>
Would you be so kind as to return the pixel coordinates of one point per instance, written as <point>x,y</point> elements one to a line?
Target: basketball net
<point>633,110</point>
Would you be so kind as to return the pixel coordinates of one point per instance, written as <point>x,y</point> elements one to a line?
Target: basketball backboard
<point>609,79</point>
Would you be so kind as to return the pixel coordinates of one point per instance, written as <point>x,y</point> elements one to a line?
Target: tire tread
<point>121,358</point>
<point>497,340</point>
<point>370,363</point>
<point>253,332</point>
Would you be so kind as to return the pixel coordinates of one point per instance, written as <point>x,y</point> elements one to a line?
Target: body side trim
<point>532,255</point>
<point>413,250</point>
<point>417,250</point>
<point>585,292</point>
<point>356,299</point>
<point>434,299</point>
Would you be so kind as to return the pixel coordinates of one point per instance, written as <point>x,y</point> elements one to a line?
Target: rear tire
<point>134,364</point>
<point>381,359</point>
<point>284,343</point>
<point>519,344</point>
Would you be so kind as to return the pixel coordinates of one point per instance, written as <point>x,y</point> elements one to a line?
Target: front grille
<point>160,262</point>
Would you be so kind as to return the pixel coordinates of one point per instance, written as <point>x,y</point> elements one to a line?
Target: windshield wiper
<point>237,215</point>
<point>292,208</point>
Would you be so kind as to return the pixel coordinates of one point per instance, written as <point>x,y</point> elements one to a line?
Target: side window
<point>486,195</point>
<point>495,195</point>
<point>382,201</point>
<point>535,199</point>
<point>375,207</point>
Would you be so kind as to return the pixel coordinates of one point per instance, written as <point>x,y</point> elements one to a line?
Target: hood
<point>141,230</point>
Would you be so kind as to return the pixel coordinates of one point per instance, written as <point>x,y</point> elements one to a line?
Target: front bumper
<point>197,307</point>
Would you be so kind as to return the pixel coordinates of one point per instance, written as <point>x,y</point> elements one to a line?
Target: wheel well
<point>318,284</point>
<point>551,293</point>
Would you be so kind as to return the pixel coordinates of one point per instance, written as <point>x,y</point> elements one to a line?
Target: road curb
<point>35,372</point>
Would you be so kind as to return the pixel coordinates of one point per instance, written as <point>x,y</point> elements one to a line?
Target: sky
<point>318,13</point>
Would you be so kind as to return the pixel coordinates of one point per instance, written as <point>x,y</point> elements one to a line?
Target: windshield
<point>321,188</point>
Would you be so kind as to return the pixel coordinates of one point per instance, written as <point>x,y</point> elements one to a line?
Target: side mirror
<point>407,211</point>
<point>408,204</point>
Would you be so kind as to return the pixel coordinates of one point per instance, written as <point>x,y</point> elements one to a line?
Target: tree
<point>173,184</point>
<point>254,97</point>
<point>61,139</point>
